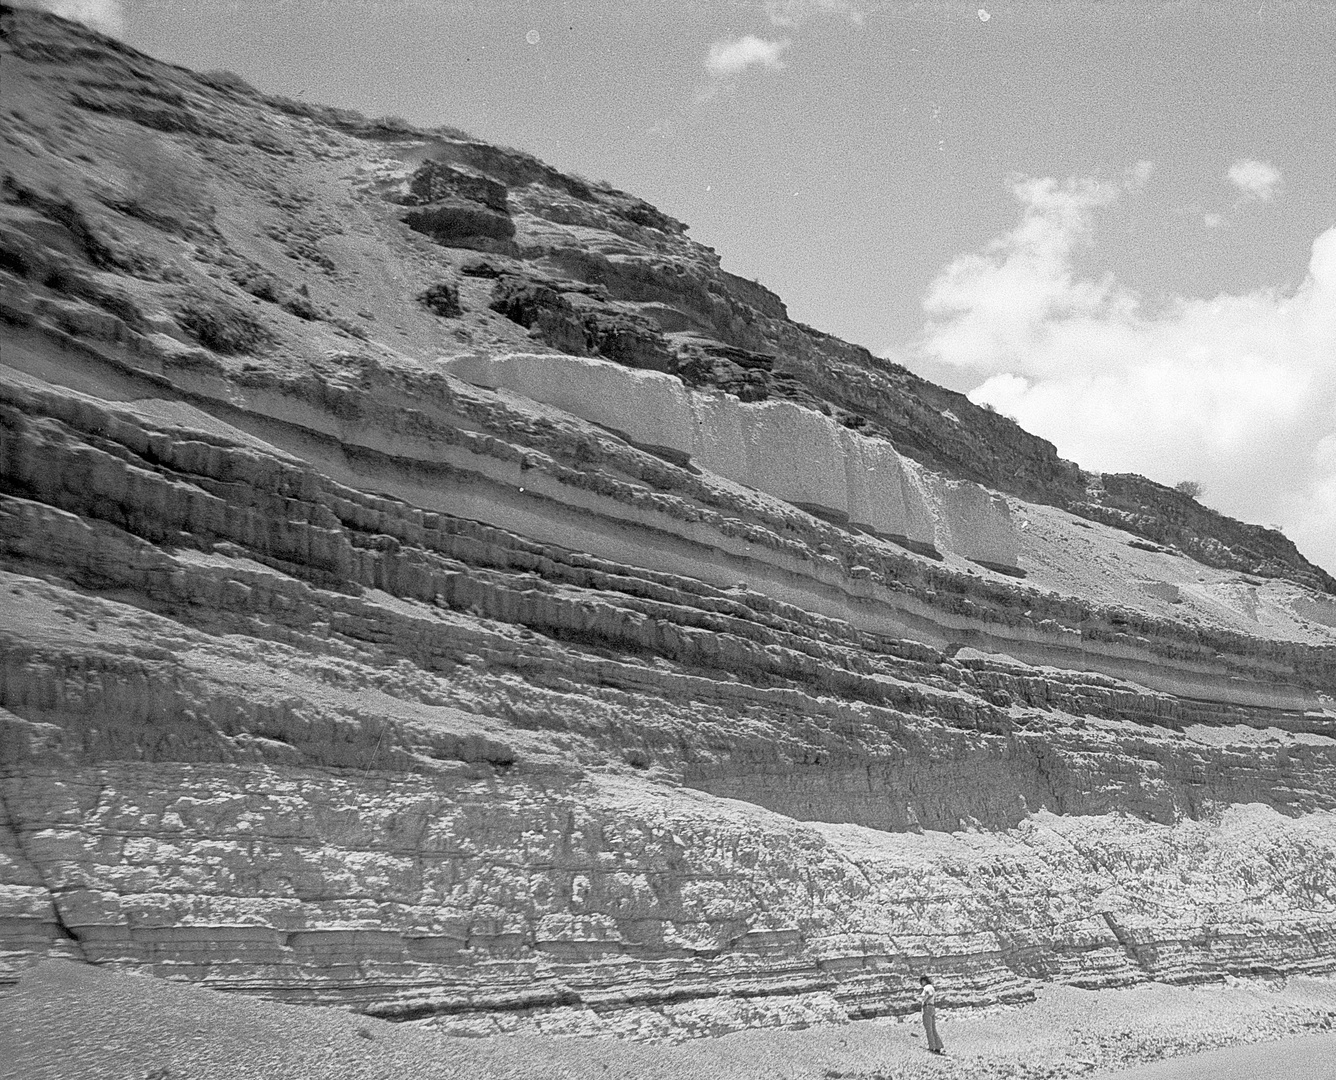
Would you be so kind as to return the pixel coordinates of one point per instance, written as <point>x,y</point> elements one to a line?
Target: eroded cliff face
<point>797,454</point>
<point>328,675</point>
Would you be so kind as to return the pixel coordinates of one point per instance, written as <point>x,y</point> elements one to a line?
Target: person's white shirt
<point>929,994</point>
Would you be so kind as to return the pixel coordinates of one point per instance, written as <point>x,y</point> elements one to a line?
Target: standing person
<point>928,996</point>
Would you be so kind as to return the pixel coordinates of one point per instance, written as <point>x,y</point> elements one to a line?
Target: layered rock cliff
<point>432,585</point>
<point>797,454</point>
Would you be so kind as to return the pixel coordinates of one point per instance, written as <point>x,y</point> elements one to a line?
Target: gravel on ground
<point>70,1021</point>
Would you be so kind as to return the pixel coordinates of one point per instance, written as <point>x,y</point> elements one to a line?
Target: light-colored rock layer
<point>791,452</point>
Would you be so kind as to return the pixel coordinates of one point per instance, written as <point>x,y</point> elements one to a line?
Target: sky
<point>1114,221</point>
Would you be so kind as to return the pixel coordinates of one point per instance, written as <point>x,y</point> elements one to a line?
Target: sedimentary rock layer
<point>794,453</point>
<point>329,676</point>
<point>339,749</point>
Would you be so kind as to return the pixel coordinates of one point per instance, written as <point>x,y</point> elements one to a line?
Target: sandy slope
<point>68,1021</point>
<point>1072,557</point>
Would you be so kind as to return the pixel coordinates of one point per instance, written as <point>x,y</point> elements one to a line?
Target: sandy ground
<point>68,1021</point>
<point>1311,1058</point>
<point>1100,564</point>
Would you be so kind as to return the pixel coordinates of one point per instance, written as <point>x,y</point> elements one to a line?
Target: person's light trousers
<point>930,1026</point>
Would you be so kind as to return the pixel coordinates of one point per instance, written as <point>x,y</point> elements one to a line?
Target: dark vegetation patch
<point>264,286</point>
<point>441,299</point>
<point>155,105</point>
<point>20,256</point>
<point>98,244</point>
<point>219,326</point>
<point>301,242</point>
<point>72,44</point>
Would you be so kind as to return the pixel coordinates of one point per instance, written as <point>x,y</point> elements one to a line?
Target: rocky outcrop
<point>796,454</point>
<point>597,702</point>
<point>458,207</point>
<point>561,316</point>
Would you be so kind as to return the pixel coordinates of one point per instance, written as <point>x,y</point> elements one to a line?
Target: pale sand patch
<point>67,1021</point>
<point>1099,563</point>
<point>1310,1057</point>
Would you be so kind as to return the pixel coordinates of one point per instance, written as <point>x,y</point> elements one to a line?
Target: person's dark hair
<point>925,979</point>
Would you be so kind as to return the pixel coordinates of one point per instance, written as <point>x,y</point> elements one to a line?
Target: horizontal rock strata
<point>654,702</point>
<point>794,453</point>
<point>393,669</point>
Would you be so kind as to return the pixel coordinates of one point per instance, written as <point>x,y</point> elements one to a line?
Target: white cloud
<point>1258,180</point>
<point>990,306</point>
<point>107,16</point>
<point>797,12</point>
<point>727,58</point>
<point>1237,392</point>
<point>1138,176</point>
